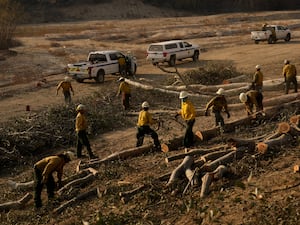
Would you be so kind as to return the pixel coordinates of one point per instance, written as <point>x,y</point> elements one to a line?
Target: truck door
<point>189,51</point>
<point>280,32</point>
<point>113,66</point>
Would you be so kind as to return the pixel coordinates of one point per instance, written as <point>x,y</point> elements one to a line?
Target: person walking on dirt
<point>257,82</point>
<point>43,174</point>
<point>125,91</point>
<point>290,76</point>
<point>188,114</point>
<point>66,88</point>
<point>143,127</point>
<point>218,104</point>
<point>122,65</point>
<point>81,127</point>
<point>250,99</point>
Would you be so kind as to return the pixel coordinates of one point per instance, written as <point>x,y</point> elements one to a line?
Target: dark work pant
<point>82,140</point>
<point>67,95</point>
<point>188,140</point>
<point>38,187</point>
<point>219,118</point>
<point>141,134</point>
<point>288,82</point>
<point>125,101</point>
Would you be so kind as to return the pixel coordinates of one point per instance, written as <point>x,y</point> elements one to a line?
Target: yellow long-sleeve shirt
<point>187,111</point>
<point>258,78</point>
<point>145,119</point>
<point>65,85</point>
<point>81,122</point>
<point>289,70</point>
<point>49,165</point>
<point>218,103</point>
<point>124,87</point>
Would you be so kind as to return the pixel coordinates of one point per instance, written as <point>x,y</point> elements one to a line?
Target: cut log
<point>193,152</point>
<point>16,204</point>
<point>237,142</point>
<point>283,128</point>
<point>20,185</point>
<point>119,155</point>
<point>209,177</point>
<point>180,170</point>
<point>93,192</point>
<point>238,79</point>
<point>295,120</point>
<point>279,142</point>
<point>208,134</point>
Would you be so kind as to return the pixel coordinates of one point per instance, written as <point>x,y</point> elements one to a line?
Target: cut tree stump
<point>16,204</point>
<point>295,120</point>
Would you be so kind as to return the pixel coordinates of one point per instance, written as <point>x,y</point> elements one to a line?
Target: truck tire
<point>288,37</point>
<point>172,61</point>
<point>100,76</point>
<point>196,56</point>
<point>79,80</point>
<point>256,42</point>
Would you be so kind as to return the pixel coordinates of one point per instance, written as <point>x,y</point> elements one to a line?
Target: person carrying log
<point>257,82</point>
<point>290,76</point>
<point>43,174</point>
<point>125,91</point>
<point>81,127</point>
<point>143,127</point>
<point>250,99</point>
<point>66,88</point>
<point>188,114</point>
<point>218,104</point>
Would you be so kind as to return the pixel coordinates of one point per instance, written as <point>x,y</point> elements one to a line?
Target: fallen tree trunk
<point>74,183</point>
<point>194,152</point>
<point>237,142</point>
<point>126,195</point>
<point>93,192</point>
<point>279,142</point>
<point>118,156</point>
<point>16,204</point>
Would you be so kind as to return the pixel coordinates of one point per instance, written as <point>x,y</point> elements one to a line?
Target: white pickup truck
<point>271,33</point>
<point>170,51</point>
<point>100,63</point>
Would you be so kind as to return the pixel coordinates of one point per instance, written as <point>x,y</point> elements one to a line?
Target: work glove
<point>176,115</point>
<point>228,115</point>
<point>206,113</point>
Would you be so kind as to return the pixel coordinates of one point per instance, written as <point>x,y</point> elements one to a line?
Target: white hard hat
<point>243,97</point>
<point>258,67</point>
<point>121,79</point>
<point>286,61</point>
<point>80,107</point>
<point>220,91</point>
<point>70,155</point>
<point>145,105</point>
<point>183,94</point>
<point>67,78</point>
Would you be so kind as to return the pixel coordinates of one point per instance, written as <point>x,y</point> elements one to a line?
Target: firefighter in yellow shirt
<point>81,127</point>
<point>250,99</point>
<point>66,87</point>
<point>257,82</point>
<point>143,127</point>
<point>125,91</point>
<point>290,76</point>
<point>43,174</point>
<point>188,114</point>
<point>218,104</point>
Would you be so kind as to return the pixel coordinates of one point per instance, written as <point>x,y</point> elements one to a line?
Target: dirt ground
<point>43,55</point>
